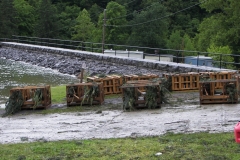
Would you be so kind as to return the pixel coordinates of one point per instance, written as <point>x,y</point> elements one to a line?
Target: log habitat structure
<point>134,98</point>
<point>138,91</point>
<point>32,100</point>
<point>190,80</point>
<point>210,94</point>
<point>84,94</point>
<point>112,83</point>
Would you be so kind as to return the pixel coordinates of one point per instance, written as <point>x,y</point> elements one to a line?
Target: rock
<point>99,112</point>
<point>70,62</point>
<point>24,138</point>
<point>158,154</point>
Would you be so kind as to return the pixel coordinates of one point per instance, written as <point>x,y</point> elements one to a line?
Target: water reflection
<point>19,74</point>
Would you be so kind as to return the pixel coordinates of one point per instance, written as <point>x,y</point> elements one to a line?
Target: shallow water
<point>19,74</point>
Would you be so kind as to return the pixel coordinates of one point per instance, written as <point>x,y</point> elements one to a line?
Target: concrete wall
<point>121,53</point>
<point>152,64</point>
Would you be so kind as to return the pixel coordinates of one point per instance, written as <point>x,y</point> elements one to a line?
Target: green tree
<point>67,20</point>
<point>98,31</point>
<point>175,41</point>
<point>47,24</point>
<point>25,17</point>
<point>212,31</point>
<point>222,28</point>
<point>148,28</point>
<point>216,52</point>
<point>188,45</point>
<point>33,3</point>
<point>84,27</point>
<point>186,21</point>
<point>94,11</point>
<point>115,14</point>
<point>178,42</point>
<point>8,21</point>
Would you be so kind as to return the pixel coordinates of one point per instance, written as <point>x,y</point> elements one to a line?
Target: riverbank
<point>72,65</point>
<point>69,61</point>
<point>183,115</point>
<point>19,74</point>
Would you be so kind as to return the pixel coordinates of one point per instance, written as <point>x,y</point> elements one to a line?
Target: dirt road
<point>177,118</point>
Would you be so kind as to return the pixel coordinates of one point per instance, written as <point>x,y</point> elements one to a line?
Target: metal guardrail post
<point>92,47</point>
<point>220,61</point>
<point>177,57</point>
<point>197,58</point>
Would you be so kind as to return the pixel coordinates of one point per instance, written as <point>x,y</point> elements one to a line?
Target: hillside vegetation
<point>201,25</point>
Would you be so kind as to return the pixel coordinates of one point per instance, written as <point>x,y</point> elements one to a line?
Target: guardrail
<point>158,54</point>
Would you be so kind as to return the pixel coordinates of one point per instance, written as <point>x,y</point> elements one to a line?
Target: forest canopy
<point>200,25</point>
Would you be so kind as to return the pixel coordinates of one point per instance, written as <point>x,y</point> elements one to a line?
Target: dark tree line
<point>211,26</point>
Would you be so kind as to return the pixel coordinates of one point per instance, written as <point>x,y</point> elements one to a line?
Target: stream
<point>19,74</point>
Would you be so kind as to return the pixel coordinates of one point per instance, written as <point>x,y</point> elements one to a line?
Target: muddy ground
<point>183,115</point>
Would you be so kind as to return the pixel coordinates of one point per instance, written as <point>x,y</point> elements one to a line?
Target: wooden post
<point>81,78</point>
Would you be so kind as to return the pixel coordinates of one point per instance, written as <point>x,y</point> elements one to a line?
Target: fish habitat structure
<point>190,80</point>
<point>28,97</point>
<point>143,94</point>
<point>84,94</point>
<point>210,93</point>
<point>112,83</point>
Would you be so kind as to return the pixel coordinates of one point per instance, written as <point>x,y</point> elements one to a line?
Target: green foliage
<point>67,20</point>
<point>231,91</point>
<point>175,40</point>
<point>115,35</point>
<point>46,25</point>
<point>14,103</point>
<point>71,91</point>
<point>33,3</point>
<point>8,20</point>
<point>151,33</point>
<point>217,57</point>
<point>128,98</point>
<point>211,32</point>
<point>178,42</point>
<point>188,45</point>
<point>151,96</point>
<point>165,88</point>
<point>25,17</point>
<point>94,12</point>
<point>221,28</point>
<point>84,27</point>
<point>185,21</point>
<point>150,23</point>
<point>90,92</point>
<point>37,98</point>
